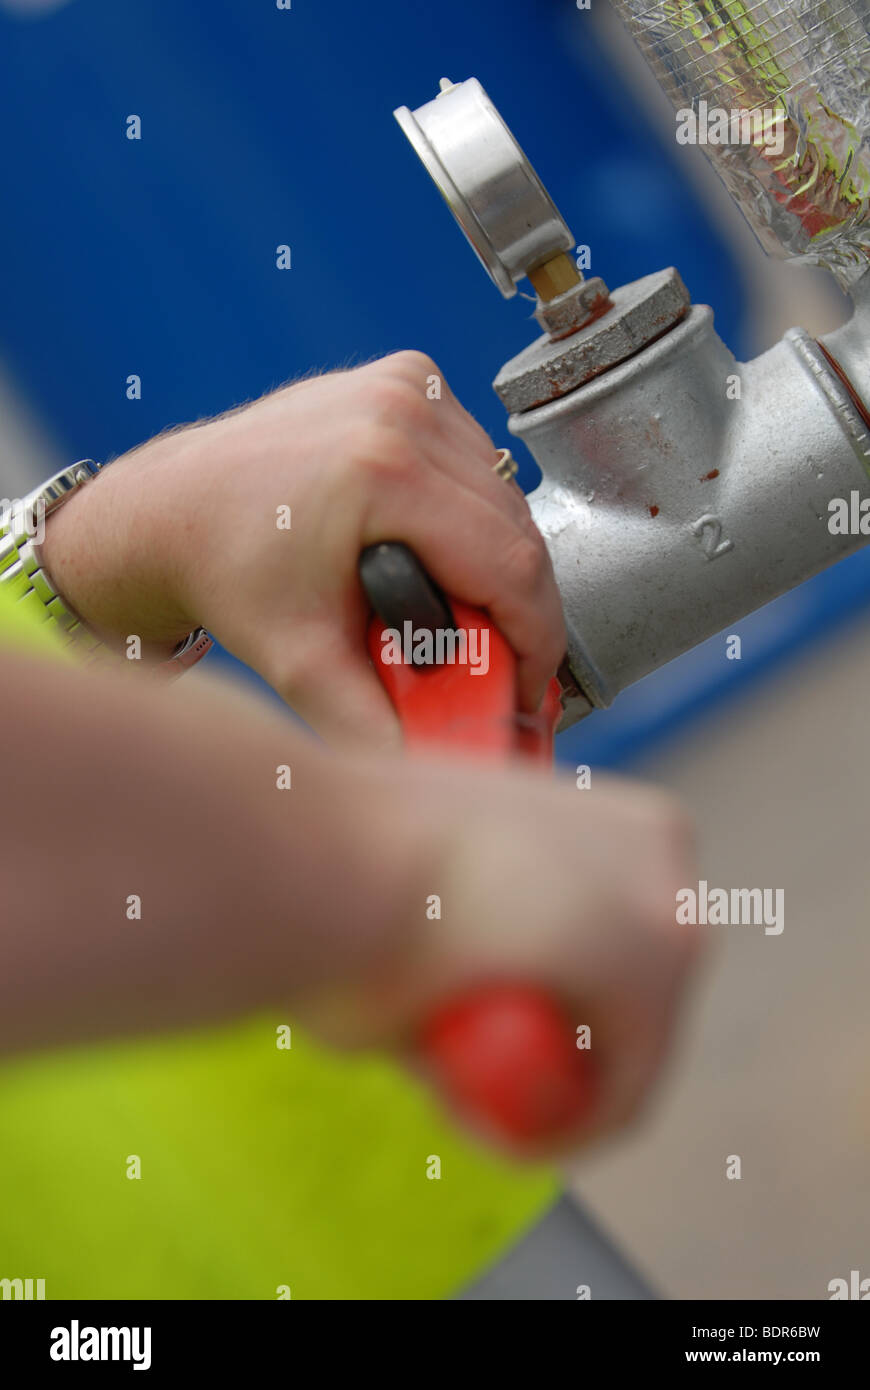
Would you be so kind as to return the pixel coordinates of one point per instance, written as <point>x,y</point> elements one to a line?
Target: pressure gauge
<point>491,188</point>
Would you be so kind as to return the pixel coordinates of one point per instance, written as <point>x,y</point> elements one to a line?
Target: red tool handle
<point>505,1055</point>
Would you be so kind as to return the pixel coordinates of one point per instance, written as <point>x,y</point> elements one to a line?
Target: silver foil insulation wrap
<point>787,84</point>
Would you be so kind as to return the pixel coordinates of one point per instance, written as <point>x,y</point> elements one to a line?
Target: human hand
<point>185,532</point>
<point>536,886</point>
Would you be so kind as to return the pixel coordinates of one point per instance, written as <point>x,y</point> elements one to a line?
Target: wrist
<point>109,559</point>
<point>384,867</point>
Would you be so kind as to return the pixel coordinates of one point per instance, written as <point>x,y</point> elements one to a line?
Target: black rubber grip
<point>399,589</point>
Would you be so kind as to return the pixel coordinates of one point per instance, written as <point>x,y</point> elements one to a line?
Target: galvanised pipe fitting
<point>682,490</point>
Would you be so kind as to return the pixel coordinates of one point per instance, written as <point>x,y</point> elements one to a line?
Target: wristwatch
<point>23,573</point>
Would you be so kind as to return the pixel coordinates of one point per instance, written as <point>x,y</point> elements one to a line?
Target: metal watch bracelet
<point>23,574</point>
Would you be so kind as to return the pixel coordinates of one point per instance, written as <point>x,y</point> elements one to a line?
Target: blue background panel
<point>263,127</point>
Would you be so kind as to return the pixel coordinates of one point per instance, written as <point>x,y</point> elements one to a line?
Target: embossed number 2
<point>708,529</point>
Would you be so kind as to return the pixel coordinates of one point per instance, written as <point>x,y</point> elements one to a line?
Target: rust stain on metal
<point>654,434</point>
<point>562,383</point>
<point>600,305</point>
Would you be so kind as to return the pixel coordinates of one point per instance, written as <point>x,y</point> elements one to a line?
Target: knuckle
<point>396,401</point>
<point>385,456</point>
<point>413,365</point>
<point>525,561</point>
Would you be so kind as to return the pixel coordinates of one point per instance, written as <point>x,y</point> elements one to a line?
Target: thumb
<point>341,698</point>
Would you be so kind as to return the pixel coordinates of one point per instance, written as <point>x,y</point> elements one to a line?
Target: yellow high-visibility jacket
<point>263,1171</point>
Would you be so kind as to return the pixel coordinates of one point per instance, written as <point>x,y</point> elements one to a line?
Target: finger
<point>527,608</point>
<point>481,556</point>
<point>463,450</point>
<point>454,442</point>
<point>469,457</point>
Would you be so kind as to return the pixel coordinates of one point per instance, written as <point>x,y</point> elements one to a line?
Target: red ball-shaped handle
<point>506,1056</point>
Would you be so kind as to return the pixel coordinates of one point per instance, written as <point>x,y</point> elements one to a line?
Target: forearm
<point>114,792</point>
